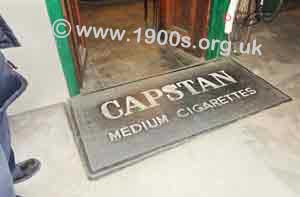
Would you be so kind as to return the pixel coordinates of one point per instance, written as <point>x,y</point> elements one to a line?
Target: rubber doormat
<point>121,125</point>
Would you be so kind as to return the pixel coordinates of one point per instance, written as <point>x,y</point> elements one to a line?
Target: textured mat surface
<point>122,125</point>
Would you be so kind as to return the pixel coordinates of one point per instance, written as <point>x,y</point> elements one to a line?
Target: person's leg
<point>15,170</point>
<point>24,170</point>
<point>10,88</point>
<point>6,183</point>
<point>21,171</point>
<point>5,141</point>
<point>12,161</point>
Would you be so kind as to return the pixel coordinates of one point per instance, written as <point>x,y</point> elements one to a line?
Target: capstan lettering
<point>173,92</point>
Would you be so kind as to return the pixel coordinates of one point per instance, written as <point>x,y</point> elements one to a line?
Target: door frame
<point>216,30</point>
<point>55,12</point>
<point>78,43</point>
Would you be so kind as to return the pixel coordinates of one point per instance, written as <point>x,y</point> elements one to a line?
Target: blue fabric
<point>12,85</point>
<point>7,37</point>
<point>6,183</point>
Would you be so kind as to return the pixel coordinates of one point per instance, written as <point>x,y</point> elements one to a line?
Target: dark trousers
<point>5,142</point>
<point>12,85</point>
<point>6,183</point>
<point>12,162</point>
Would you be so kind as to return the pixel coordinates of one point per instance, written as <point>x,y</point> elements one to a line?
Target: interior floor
<point>113,62</point>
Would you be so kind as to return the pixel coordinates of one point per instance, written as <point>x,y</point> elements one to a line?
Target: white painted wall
<point>37,58</point>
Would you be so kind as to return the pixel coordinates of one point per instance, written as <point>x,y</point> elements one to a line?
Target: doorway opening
<point>103,63</point>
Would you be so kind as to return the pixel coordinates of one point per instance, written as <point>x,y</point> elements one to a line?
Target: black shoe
<point>18,196</point>
<point>26,170</point>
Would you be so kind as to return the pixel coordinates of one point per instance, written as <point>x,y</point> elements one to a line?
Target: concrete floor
<point>256,156</point>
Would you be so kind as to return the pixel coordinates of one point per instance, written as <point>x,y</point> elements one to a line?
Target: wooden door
<point>188,17</point>
<point>78,44</point>
<point>152,14</point>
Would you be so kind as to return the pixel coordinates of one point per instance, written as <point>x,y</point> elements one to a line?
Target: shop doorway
<point>103,63</point>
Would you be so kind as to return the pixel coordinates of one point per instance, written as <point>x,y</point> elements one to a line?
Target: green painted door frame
<point>217,26</point>
<point>55,12</point>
